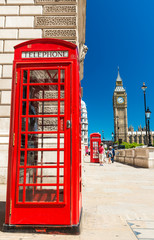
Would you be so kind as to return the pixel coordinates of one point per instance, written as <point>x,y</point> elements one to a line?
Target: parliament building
<point>122,132</point>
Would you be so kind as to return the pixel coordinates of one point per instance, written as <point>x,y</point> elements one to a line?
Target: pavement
<point>118,204</point>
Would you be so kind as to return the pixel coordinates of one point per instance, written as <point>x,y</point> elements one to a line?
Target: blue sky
<point>118,33</point>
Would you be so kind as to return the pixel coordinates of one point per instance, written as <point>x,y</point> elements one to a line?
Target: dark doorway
<point>2,214</point>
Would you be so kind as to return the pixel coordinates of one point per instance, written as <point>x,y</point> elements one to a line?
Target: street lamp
<point>103,134</point>
<point>112,137</point>
<point>148,114</point>
<point>118,127</point>
<point>144,91</point>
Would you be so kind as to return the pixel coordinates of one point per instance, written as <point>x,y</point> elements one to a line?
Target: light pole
<point>112,138</point>
<point>103,134</point>
<point>118,127</point>
<point>148,114</point>
<point>144,91</point>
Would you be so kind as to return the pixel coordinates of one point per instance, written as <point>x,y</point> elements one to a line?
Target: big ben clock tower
<point>120,111</point>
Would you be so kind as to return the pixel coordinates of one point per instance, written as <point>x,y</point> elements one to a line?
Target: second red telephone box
<point>95,140</point>
<point>44,168</point>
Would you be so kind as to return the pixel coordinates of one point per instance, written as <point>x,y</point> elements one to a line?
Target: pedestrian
<point>113,154</point>
<point>87,151</point>
<point>109,154</point>
<point>101,154</point>
<point>104,157</point>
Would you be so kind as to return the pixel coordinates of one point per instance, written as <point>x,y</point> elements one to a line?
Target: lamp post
<point>118,127</point>
<point>103,134</point>
<point>148,114</point>
<point>144,91</point>
<point>112,138</point>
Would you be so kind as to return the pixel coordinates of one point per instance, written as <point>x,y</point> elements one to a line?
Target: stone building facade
<point>84,123</point>
<point>139,136</point>
<point>22,20</point>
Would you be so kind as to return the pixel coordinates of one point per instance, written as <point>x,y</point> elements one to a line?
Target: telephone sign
<point>45,54</point>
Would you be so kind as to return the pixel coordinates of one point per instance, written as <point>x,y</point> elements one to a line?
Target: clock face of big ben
<point>120,100</point>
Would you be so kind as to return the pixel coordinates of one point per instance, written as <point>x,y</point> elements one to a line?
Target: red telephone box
<point>44,167</point>
<point>95,140</point>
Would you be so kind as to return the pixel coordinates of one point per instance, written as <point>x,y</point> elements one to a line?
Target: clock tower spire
<point>120,111</point>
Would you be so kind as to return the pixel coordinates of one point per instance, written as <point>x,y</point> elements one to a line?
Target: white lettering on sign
<point>46,54</point>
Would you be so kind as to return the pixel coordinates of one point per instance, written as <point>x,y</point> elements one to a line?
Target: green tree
<point>131,145</point>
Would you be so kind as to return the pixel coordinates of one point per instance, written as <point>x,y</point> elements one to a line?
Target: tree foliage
<point>131,145</point>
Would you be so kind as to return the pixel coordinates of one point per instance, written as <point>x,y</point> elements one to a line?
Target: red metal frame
<point>19,210</point>
<point>95,140</point>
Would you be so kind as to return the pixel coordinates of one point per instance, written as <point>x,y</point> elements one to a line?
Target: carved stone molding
<point>60,33</point>
<point>83,51</point>
<point>47,124</point>
<point>59,9</point>
<point>55,1</point>
<point>48,94</point>
<point>74,42</point>
<point>55,22</point>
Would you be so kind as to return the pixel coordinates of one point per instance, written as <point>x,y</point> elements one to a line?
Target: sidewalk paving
<point>118,204</point>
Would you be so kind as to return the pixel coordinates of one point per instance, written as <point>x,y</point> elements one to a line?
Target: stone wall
<point>22,20</point>
<point>141,157</point>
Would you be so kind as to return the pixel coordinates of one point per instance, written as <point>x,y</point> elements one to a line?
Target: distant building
<point>139,136</point>
<point>107,143</point>
<point>121,131</point>
<point>120,111</point>
<point>84,123</point>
